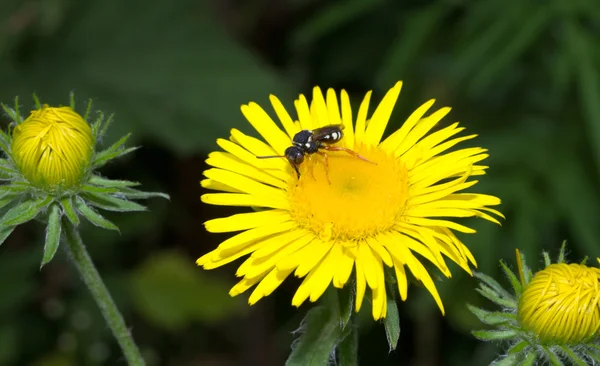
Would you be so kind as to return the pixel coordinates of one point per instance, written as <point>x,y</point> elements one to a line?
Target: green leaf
<point>67,205</point>
<point>494,335</point>
<point>115,151</point>
<point>135,194</point>
<point>96,189</point>
<point>392,321</point>
<point>561,254</point>
<point>530,358</point>
<point>576,360</point>
<point>518,347</point>
<point>551,356</point>
<point>491,318</point>
<point>93,217</point>
<point>516,284</point>
<point>5,232</point>
<point>52,234</point>
<point>347,351</point>
<point>170,292</point>
<point>321,332</point>
<point>509,360</point>
<point>103,182</point>
<point>111,203</point>
<point>493,296</point>
<point>547,260</point>
<point>492,283</point>
<point>24,211</point>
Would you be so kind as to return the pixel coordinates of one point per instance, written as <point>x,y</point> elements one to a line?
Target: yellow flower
<point>560,304</point>
<point>53,147</point>
<point>344,214</point>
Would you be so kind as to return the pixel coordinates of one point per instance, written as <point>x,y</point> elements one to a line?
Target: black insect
<point>307,142</point>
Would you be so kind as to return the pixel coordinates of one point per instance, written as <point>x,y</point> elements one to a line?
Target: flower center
<point>342,197</point>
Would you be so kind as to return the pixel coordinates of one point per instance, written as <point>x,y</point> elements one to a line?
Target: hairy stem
<point>92,279</point>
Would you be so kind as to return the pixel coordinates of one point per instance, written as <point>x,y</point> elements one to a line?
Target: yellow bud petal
<point>53,147</point>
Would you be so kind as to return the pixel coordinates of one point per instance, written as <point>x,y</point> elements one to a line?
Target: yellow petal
<point>347,121</point>
<point>420,130</point>
<point>379,307</point>
<point>392,143</point>
<point>241,199</point>
<point>260,120</point>
<point>382,115</point>
<point>442,223</point>
<point>243,286</point>
<point>401,279</point>
<point>380,251</point>
<point>344,268</point>
<point>268,285</point>
<point>268,250</point>
<point>361,119</point>
<point>320,115</point>
<point>244,184</point>
<point>246,221</point>
<point>284,117</point>
<point>361,285</point>
<point>304,116</point>
<point>217,186</point>
<point>278,168</point>
<point>227,161</point>
<point>368,262</point>
<point>333,108</point>
<point>316,282</point>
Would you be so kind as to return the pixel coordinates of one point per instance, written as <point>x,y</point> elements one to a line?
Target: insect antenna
<point>270,156</point>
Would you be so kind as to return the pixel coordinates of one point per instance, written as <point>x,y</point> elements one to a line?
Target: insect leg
<point>326,165</point>
<point>351,152</point>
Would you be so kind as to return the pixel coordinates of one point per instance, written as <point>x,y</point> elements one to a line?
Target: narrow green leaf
<point>97,124</point>
<point>96,189</point>
<point>594,355</point>
<point>52,234</point>
<point>547,260</point>
<point>67,205</point>
<point>13,114</point>
<point>491,318</point>
<point>24,211</point>
<point>321,332</point>
<point>493,284</point>
<point>519,347</point>
<point>530,358</point>
<point>99,181</point>
<point>576,360</point>
<point>104,157</point>
<point>561,254</point>
<point>392,323</point>
<point>105,125</point>
<point>111,203</point>
<point>135,194</point>
<point>509,360</point>
<point>347,351</point>
<point>88,109</point>
<point>494,297</point>
<point>493,335</point>
<point>36,100</point>
<point>94,217</point>
<point>514,281</point>
<point>5,232</point>
<point>4,145</point>
<point>551,356</point>
<point>72,100</point>
<point>112,152</point>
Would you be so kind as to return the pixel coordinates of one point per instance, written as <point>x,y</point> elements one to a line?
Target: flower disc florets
<point>53,148</point>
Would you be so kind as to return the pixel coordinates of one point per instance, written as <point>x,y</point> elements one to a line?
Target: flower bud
<point>560,304</point>
<point>53,148</point>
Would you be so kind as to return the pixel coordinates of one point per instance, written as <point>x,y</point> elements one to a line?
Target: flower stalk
<point>92,279</point>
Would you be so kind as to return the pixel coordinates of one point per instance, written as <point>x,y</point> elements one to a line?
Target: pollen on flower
<point>53,147</point>
<point>560,304</point>
<point>348,198</point>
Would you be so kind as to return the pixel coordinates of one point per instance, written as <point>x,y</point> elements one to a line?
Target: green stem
<point>92,279</point>
<point>348,348</point>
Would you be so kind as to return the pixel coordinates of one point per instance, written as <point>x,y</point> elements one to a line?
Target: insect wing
<point>328,134</point>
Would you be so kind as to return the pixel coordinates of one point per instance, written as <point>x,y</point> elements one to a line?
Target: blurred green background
<point>523,74</point>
